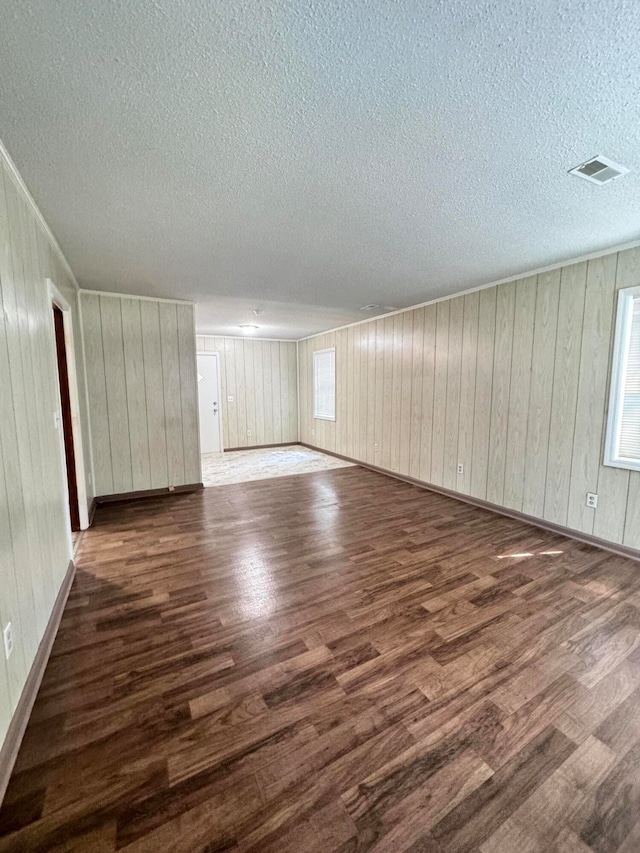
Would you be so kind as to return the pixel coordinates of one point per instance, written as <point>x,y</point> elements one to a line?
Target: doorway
<point>67,415</point>
<point>66,421</point>
<point>209,402</point>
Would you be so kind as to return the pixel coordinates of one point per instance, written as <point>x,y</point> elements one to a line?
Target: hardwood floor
<point>334,662</point>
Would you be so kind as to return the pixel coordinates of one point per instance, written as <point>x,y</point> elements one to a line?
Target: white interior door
<point>209,402</point>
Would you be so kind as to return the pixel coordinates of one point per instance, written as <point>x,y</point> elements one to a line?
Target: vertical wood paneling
<point>406,378</point>
<point>428,388</point>
<point>505,307</point>
<point>417,379</point>
<point>395,413</point>
<point>516,450</point>
<point>119,435</point>
<point>539,414</point>
<point>172,399</point>
<point>153,393</point>
<point>135,393</point>
<point>94,355</point>
<point>188,394</point>
<point>592,389</point>
<point>454,372</point>
<point>617,511</point>
<point>484,391</point>
<point>262,378</point>
<point>512,381</point>
<point>468,390</point>
<point>140,357</point>
<point>443,311</point>
<point>565,391</point>
<point>34,545</point>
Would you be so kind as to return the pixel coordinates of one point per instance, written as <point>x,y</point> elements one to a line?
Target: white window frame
<point>622,338</point>
<point>318,415</point>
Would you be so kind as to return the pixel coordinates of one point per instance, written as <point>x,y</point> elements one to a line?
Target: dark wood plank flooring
<point>335,662</point>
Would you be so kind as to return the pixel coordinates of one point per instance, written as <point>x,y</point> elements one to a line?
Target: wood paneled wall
<point>510,381</point>
<point>261,377</point>
<point>140,361</point>
<point>34,548</point>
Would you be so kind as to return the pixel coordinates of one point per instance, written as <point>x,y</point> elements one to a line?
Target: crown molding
<point>246,338</point>
<point>135,296</point>
<point>601,253</point>
<point>18,180</point>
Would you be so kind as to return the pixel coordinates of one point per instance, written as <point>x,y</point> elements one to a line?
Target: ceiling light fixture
<point>248,328</point>
<point>372,307</point>
<point>599,170</point>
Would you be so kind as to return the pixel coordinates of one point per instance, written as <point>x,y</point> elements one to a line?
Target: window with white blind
<point>324,384</point>
<point>622,448</point>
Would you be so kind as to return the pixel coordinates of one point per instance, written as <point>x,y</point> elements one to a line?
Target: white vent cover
<point>599,170</point>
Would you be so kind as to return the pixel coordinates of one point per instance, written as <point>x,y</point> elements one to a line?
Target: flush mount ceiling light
<point>372,307</point>
<point>599,170</point>
<point>248,328</point>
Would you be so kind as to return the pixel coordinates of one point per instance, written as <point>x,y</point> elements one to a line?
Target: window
<point>622,448</point>
<point>324,384</point>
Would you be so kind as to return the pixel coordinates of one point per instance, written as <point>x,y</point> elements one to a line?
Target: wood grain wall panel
<point>395,354</point>
<point>262,378</point>
<point>417,379</point>
<point>119,435</point>
<point>592,389</point>
<point>539,414</point>
<point>616,487</point>
<point>135,388</point>
<point>33,598</point>
<point>516,449</point>
<point>153,393</point>
<point>428,390</point>
<point>172,401</point>
<point>511,380</point>
<point>484,391</point>
<point>505,308</point>
<point>379,391</point>
<point>34,539</point>
<point>454,376</point>
<point>140,356</point>
<point>468,390</point>
<point>443,311</point>
<point>406,366</point>
<point>96,380</point>
<point>565,391</point>
<point>189,394</point>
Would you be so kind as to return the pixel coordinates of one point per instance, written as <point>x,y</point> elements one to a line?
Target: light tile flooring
<point>240,466</point>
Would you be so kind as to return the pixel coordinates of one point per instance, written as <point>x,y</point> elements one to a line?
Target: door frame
<point>218,371</point>
<point>56,298</point>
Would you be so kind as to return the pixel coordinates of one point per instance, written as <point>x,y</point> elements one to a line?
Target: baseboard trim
<point>20,719</point>
<point>125,497</point>
<point>587,538</point>
<point>92,511</point>
<point>262,446</point>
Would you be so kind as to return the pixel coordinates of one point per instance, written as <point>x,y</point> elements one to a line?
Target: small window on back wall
<point>622,448</point>
<point>324,384</point>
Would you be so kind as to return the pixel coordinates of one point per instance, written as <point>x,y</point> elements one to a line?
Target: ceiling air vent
<point>599,170</point>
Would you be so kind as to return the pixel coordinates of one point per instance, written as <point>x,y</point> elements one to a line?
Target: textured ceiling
<point>308,158</point>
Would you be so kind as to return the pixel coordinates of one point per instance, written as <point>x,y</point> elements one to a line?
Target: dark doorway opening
<point>67,427</point>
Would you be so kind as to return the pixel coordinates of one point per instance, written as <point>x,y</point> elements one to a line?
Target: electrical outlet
<point>592,500</point>
<point>460,468</point>
<point>229,399</point>
<point>248,432</point>
<point>8,640</point>
<point>313,432</point>
<point>375,447</point>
